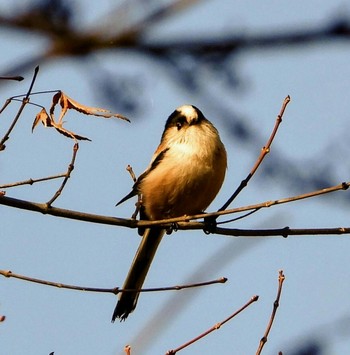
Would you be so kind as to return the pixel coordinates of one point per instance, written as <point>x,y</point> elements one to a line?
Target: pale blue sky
<point>315,295</point>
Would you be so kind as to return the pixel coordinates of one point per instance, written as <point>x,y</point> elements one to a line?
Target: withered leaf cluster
<point>67,103</point>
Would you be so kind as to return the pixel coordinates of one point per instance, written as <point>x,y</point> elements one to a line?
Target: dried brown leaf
<point>42,117</point>
<point>59,128</point>
<point>55,100</point>
<point>47,121</point>
<point>68,103</point>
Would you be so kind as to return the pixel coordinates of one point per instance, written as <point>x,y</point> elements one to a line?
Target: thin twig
<point>32,181</point>
<point>8,273</point>
<point>65,213</point>
<point>240,217</point>
<point>215,327</point>
<point>263,340</point>
<point>264,151</point>
<point>67,175</point>
<point>7,102</point>
<point>115,290</point>
<point>221,280</point>
<point>131,172</point>
<point>20,110</point>
<point>36,93</point>
<point>139,202</point>
<point>16,78</point>
<point>137,207</point>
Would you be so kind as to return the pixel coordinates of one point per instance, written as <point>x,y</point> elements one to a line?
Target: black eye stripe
<point>176,119</point>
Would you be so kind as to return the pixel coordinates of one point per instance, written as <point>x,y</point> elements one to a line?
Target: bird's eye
<point>180,122</point>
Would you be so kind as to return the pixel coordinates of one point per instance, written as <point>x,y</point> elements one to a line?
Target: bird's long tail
<point>138,272</point>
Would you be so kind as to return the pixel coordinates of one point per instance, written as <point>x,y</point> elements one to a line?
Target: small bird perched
<point>185,174</point>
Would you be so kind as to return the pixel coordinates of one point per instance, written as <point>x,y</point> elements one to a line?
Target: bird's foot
<point>209,225</point>
<point>174,227</point>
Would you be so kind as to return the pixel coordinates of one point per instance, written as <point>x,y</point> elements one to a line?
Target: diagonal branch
<point>32,181</point>
<point>264,151</point>
<point>20,110</point>
<point>215,327</point>
<point>67,175</point>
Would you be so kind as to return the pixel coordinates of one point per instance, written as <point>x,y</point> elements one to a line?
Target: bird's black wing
<point>154,163</point>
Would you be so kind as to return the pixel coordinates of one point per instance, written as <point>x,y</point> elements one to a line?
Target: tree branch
<point>215,327</point>
<point>115,290</point>
<point>263,340</point>
<point>20,110</point>
<point>264,151</point>
<point>32,181</point>
<point>183,222</point>
<point>66,176</point>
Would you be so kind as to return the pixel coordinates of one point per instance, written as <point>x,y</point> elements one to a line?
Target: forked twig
<point>264,151</point>
<point>20,110</point>
<point>263,340</point>
<point>115,290</point>
<point>67,175</point>
<point>215,327</point>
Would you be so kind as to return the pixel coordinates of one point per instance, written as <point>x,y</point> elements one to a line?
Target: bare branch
<point>115,290</point>
<point>67,175</point>
<point>20,110</point>
<point>221,280</point>
<point>215,327</point>
<point>8,273</point>
<point>7,102</point>
<point>138,204</point>
<point>265,150</point>
<point>183,222</point>
<point>32,181</point>
<point>343,186</point>
<point>15,78</point>
<point>263,340</point>
<point>131,172</point>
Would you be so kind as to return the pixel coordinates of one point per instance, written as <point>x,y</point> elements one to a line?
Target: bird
<point>184,176</point>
